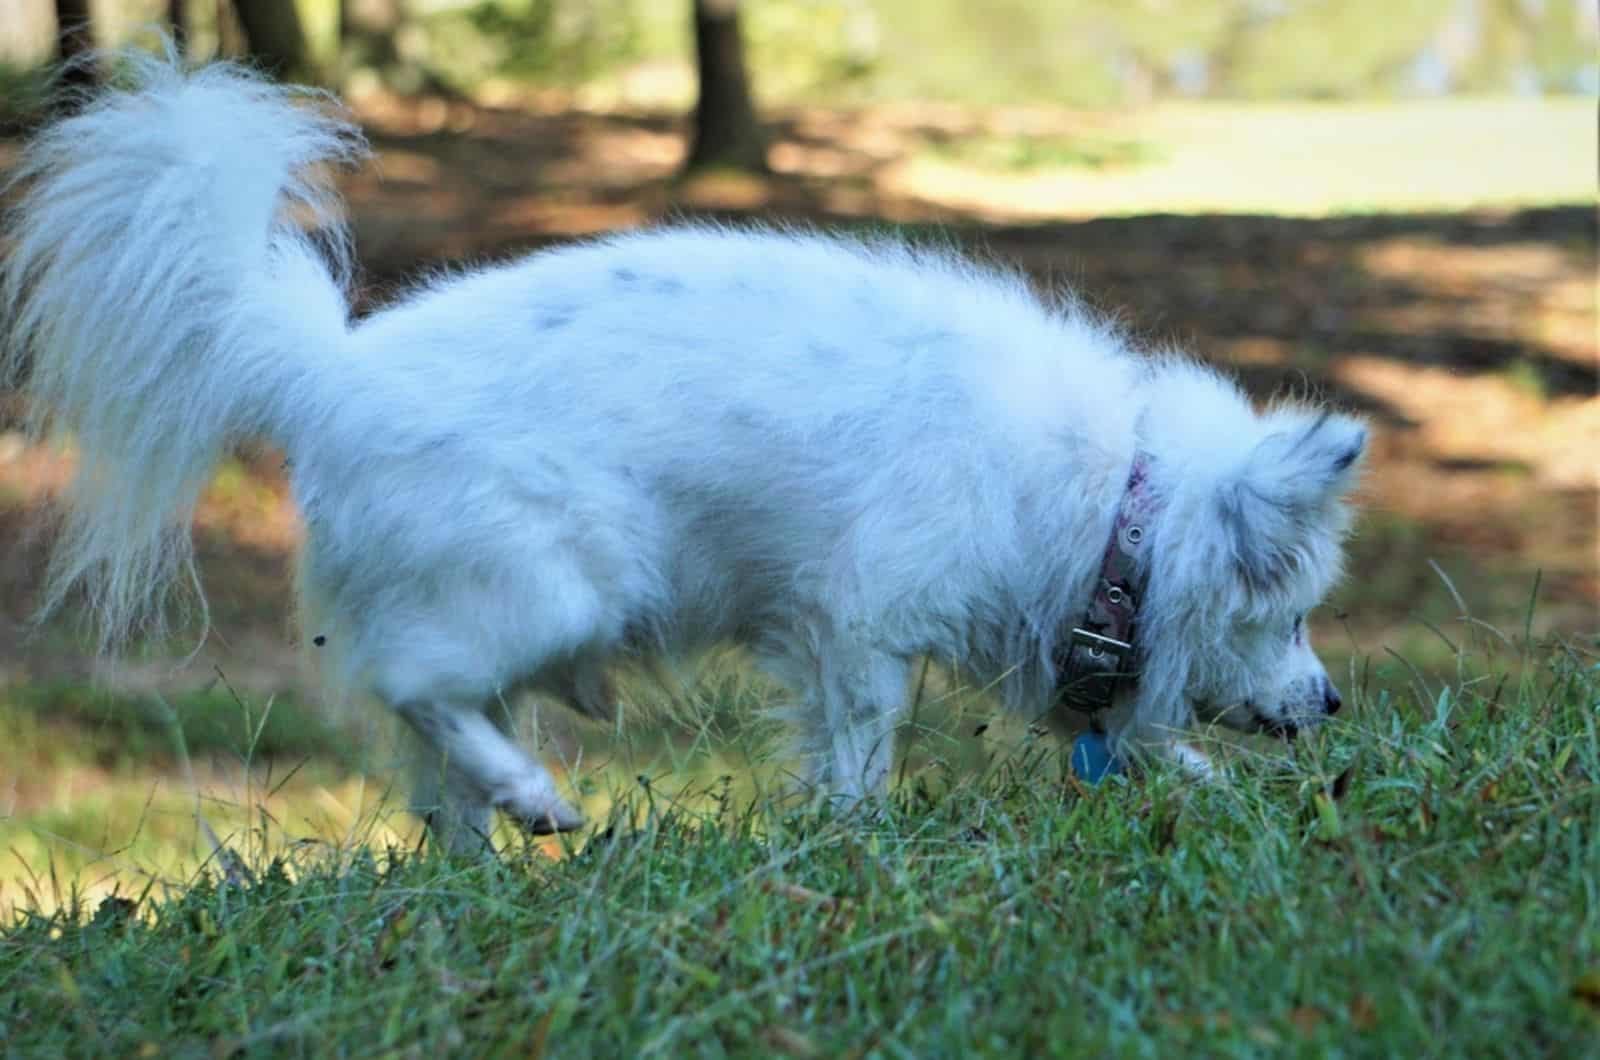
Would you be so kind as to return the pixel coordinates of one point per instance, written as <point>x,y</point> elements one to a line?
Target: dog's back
<point>659,440</point>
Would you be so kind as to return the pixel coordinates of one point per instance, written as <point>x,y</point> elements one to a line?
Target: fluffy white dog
<point>840,454</point>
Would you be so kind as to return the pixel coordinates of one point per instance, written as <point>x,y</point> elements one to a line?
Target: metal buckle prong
<point>1099,644</point>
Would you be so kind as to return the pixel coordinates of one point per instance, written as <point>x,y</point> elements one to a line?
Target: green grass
<point>1419,879</point>
<point>99,792</point>
<point>138,726</point>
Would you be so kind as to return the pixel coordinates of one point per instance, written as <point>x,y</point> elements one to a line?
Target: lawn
<point>1421,878</point>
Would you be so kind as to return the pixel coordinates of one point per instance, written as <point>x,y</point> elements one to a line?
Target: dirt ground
<point>1469,338</point>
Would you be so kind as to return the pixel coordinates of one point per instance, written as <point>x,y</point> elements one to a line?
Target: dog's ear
<point>1285,504</point>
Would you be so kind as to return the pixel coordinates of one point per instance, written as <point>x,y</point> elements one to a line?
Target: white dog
<point>840,454</point>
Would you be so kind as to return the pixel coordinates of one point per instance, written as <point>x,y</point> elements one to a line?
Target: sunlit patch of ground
<point>1282,159</point>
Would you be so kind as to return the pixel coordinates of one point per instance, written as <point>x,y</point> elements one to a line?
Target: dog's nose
<point>1331,701</point>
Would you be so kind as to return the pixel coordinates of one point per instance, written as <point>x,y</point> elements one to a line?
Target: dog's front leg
<point>1143,728</point>
<point>480,766</point>
<point>458,816</point>
<point>852,717</point>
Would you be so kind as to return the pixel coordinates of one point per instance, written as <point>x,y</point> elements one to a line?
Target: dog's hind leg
<point>482,767</point>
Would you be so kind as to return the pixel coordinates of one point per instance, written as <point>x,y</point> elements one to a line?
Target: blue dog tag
<point>1092,760</point>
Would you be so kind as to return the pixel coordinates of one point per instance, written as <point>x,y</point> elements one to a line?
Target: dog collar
<point>1100,652</point>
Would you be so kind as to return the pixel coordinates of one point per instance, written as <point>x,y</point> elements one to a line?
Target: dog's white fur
<point>841,454</point>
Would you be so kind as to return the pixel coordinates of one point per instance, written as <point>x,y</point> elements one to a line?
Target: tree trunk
<point>726,133</point>
<point>230,34</point>
<point>277,41</point>
<point>177,27</point>
<point>75,43</point>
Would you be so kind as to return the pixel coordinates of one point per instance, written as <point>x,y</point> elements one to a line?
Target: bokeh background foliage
<point>1072,52</point>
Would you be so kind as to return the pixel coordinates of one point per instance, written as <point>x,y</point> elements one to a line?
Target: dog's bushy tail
<point>160,301</point>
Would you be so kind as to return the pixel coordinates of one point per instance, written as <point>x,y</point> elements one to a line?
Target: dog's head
<point>1250,542</point>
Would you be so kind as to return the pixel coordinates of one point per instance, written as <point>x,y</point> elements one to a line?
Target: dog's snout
<point>1331,700</point>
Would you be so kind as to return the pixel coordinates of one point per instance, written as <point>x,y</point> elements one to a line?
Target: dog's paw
<point>537,809</point>
<point>1195,763</point>
<point>562,818</point>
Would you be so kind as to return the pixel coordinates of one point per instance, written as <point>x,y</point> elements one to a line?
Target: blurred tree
<point>1559,47</point>
<point>547,41</point>
<point>370,49</point>
<point>1526,46</point>
<point>276,39</point>
<point>230,34</point>
<point>366,34</point>
<point>726,133</point>
<point>1321,49</point>
<point>176,25</point>
<point>1100,52</point>
<point>75,42</point>
<point>1146,42</point>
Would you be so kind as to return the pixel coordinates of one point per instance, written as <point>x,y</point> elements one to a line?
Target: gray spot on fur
<point>749,418</point>
<point>663,285</point>
<point>554,319</point>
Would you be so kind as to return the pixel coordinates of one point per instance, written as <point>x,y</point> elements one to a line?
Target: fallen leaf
<point>1167,832</point>
<point>796,893</point>
<point>789,1042</point>
<point>541,1036</point>
<point>1264,1036</point>
<point>1363,1012</point>
<point>1341,783</point>
<point>452,984</point>
<point>1586,989</point>
<point>397,927</point>
<point>1220,1021</point>
<point>1306,1018</point>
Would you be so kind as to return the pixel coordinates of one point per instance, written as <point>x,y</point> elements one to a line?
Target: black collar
<point>1099,654</point>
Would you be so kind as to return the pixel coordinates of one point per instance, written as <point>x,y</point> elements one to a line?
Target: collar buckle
<point>1093,667</point>
<point>1099,653</point>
